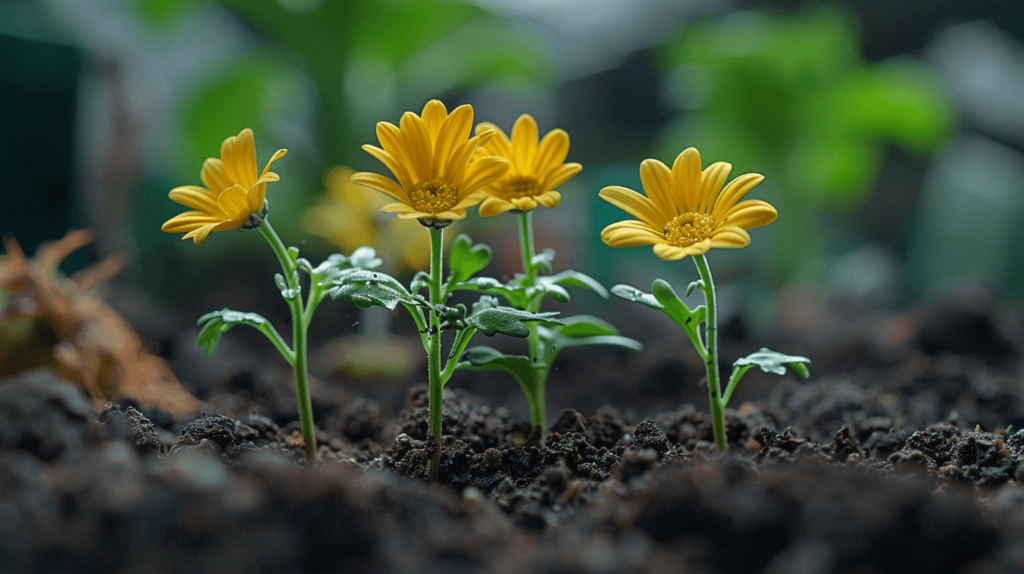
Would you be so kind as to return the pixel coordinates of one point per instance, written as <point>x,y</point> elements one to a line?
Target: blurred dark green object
<point>791,97</point>
<point>39,95</point>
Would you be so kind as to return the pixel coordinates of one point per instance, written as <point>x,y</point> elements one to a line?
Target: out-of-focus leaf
<point>488,359</point>
<point>775,362</point>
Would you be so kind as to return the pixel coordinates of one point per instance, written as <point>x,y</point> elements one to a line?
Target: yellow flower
<point>534,170</point>
<point>686,212</point>
<point>431,157</point>
<point>349,217</point>
<point>233,191</point>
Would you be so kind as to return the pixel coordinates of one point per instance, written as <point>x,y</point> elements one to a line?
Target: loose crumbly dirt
<point>901,454</point>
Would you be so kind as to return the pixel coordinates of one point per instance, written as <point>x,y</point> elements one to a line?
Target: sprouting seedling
<point>535,170</point>
<point>432,158</point>
<point>233,196</point>
<point>685,213</point>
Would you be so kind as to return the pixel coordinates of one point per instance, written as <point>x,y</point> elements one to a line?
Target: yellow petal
<point>453,132</point>
<point>499,144</point>
<point>734,192</point>
<point>730,238</point>
<point>393,165</point>
<point>390,138</point>
<point>452,215</point>
<point>711,184</point>
<point>482,172</point>
<point>214,177</point>
<point>750,214</point>
<point>468,202</point>
<point>524,144</point>
<point>239,156</point>
<point>258,193</point>
<point>552,152</point>
<point>197,198</point>
<point>668,252</point>
<point>233,201</point>
<point>199,234</point>
<point>434,114</point>
<point>398,208</point>
<point>560,175</point>
<point>631,234</point>
<point>418,145</point>
<point>495,206</point>
<point>634,204</point>
<point>686,180</point>
<point>277,155</point>
<point>524,203</point>
<point>549,198</point>
<point>380,183</point>
<point>188,221</point>
<point>656,178</point>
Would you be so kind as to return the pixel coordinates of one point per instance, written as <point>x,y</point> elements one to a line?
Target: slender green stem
<point>536,398</point>
<point>711,360</point>
<point>299,331</point>
<point>434,353</point>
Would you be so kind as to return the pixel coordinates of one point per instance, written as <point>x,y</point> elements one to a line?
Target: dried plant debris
<point>48,320</point>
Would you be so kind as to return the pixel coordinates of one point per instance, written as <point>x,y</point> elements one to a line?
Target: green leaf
<point>542,261</point>
<point>554,291</point>
<point>636,296</point>
<point>488,359</point>
<point>583,330</point>
<point>466,259</point>
<point>774,362</point>
<point>215,324</point>
<point>365,258</point>
<point>368,294</point>
<point>570,278</point>
<point>586,326</point>
<point>507,321</point>
<point>372,278</point>
<point>514,294</point>
<point>693,285</point>
<point>674,307</point>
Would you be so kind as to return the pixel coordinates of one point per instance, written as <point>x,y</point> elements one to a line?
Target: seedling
<point>685,213</point>
<point>535,170</point>
<point>432,158</point>
<point>233,196</point>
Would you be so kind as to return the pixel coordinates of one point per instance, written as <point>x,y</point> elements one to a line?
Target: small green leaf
<point>488,359</point>
<point>368,294</point>
<point>636,296</point>
<point>514,294</point>
<point>580,331</point>
<point>775,362</point>
<point>554,291</point>
<point>586,326</point>
<point>542,261</point>
<point>466,259</point>
<point>507,321</point>
<point>420,281</point>
<point>365,258</point>
<point>293,253</point>
<point>673,306</point>
<point>485,302</point>
<point>694,285</point>
<point>215,324</point>
<point>570,278</point>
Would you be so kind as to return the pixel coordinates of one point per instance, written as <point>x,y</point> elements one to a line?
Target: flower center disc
<point>689,228</point>
<point>434,196</point>
<point>522,186</point>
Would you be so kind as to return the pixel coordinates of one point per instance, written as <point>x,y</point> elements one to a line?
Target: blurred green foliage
<point>791,97</point>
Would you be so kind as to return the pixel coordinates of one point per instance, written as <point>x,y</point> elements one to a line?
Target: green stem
<point>536,399</point>
<point>434,353</point>
<point>711,360</point>
<point>299,331</point>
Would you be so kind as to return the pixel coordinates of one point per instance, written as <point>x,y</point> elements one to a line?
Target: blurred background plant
<point>891,134</point>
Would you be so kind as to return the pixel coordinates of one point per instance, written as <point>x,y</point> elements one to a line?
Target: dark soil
<point>899,455</point>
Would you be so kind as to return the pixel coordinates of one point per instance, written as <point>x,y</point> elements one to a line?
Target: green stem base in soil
<point>711,359</point>
<point>299,332</point>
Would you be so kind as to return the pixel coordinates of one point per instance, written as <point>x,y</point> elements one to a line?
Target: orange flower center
<point>522,186</point>
<point>689,228</point>
<point>434,196</point>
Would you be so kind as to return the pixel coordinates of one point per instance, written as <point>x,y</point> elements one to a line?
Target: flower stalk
<point>710,355</point>
<point>434,352</point>
<point>300,329</point>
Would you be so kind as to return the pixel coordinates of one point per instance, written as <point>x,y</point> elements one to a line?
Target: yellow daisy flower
<point>686,211</point>
<point>431,157</point>
<point>233,191</point>
<point>534,170</point>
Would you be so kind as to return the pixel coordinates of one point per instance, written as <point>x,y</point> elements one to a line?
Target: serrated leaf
<point>571,278</point>
<point>216,323</point>
<point>637,296</point>
<point>368,294</point>
<point>488,359</point>
<point>775,362</point>
<point>507,321</point>
<point>466,259</point>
